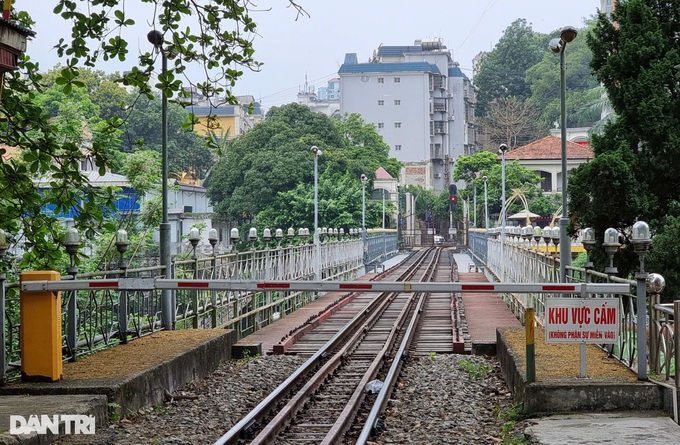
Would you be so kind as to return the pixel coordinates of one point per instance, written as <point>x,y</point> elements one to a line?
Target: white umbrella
<point>524,214</point>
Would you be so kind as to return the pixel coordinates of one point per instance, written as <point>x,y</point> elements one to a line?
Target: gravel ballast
<point>447,399</point>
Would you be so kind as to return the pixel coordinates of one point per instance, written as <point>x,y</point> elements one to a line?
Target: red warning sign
<point>582,320</point>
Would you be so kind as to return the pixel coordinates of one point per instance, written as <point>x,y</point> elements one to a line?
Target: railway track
<point>365,342</point>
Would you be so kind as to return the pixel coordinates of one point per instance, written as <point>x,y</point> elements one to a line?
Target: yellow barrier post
<point>40,332</point>
<point>531,357</point>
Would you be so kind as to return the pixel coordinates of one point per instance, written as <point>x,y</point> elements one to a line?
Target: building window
<point>397,125</point>
<point>397,79</point>
<point>381,80</point>
<point>397,102</point>
<point>381,103</point>
<point>397,147</point>
<point>381,125</point>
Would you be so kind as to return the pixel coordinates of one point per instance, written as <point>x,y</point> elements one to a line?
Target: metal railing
<point>102,318</point>
<point>527,263</point>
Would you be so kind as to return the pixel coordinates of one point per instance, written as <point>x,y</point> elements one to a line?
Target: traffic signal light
<point>453,200</point>
<point>453,197</point>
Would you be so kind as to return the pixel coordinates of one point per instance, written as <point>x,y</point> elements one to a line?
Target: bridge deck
<point>276,337</point>
<point>484,313</point>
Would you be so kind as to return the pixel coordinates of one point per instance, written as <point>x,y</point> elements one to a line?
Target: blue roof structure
<point>456,72</point>
<point>222,110</point>
<point>418,67</point>
<point>227,110</point>
<point>398,51</point>
<point>351,59</point>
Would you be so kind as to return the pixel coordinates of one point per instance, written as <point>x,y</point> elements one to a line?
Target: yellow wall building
<point>228,121</point>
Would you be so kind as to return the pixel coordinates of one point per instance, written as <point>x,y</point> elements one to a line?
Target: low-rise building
<point>544,156</point>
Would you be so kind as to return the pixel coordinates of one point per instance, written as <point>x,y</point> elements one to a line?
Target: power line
<point>474,28</point>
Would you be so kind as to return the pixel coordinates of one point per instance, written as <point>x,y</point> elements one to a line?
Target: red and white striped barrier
<point>132,284</point>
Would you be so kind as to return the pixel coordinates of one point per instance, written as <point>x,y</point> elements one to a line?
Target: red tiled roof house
<point>544,156</point>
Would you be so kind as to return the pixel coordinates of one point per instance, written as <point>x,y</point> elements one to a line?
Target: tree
<point>638,154</point>
<point>510,121</point>
<point>502,71</point>
<point>582,86</point>
<point>272,162</point>
<point>472,170</point>
<point>215,35</point>
<point>187,151</point>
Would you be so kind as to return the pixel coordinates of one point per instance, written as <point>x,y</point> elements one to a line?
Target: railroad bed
<point>337,391</point>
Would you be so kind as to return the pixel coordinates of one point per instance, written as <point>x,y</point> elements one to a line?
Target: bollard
<point>531,353</point>
<point>40,332</point>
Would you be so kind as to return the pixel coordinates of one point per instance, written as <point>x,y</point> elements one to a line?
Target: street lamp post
<point>503,148</point>
<point>364,178</point>
<point>568,34</point>
<point>474,203</point>
<point>486,204</point>
<point>316,152</point>
<point>155,37</point>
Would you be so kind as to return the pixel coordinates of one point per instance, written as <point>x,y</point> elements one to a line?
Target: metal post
<point>530,349</point>
<point>213,294</point>
<point>317,245</point>
<point>3,360</point>
<point>383,226</point>
<point>474,213</point>
<point>71,326</point>
<point>122,298</point>
<point>167,304</point>
<point>641,309</point>
<point>654,354</point>
<point>676,315</point>
<point>503,149</point>
<point>364,178</point>
<point>486,206</point>
<point>565,251</point>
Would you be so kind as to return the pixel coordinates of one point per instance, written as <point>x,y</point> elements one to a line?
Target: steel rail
<point>240,430</point>
<point>348,413</point>
<point>390,380</point>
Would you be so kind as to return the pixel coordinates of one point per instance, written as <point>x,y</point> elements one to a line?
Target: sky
<point>312,48</point>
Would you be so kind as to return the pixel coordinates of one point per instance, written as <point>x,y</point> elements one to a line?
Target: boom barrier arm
<point>132,284</point>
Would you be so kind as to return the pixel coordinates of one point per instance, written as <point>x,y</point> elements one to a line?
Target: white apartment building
<point>607,6</point>
<point>419,101</point>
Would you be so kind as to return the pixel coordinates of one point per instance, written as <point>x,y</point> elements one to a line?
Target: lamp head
<point>555,45</point>
<point>155,37</point>
<point>485,178</point>
<point>364,178</point>
<point>315,150</point>
<point>568,34</point>
<point>503,148</point>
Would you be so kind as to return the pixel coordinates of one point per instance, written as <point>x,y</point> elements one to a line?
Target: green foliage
<point>501,72</point>
<point>114,410</point>
<point>638,154</point>
<point>476,370</point>
<point>215,36</point>
<point>581,86</point>
<point>269,171</point>
<point>429,200</point>
<point>187,151</point>
<point>509,433</point>
<point>472,169</point>
<point>664,256</point>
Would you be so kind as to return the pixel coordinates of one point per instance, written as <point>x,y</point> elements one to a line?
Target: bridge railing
<point>104,317</point>
<point>523,262</point>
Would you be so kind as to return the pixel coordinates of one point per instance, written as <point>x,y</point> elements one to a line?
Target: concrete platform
<point>620,428</point>
<point>484,313</point>
<point>609,386</point>
<point>25,406</point>
<point>135,382</point>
